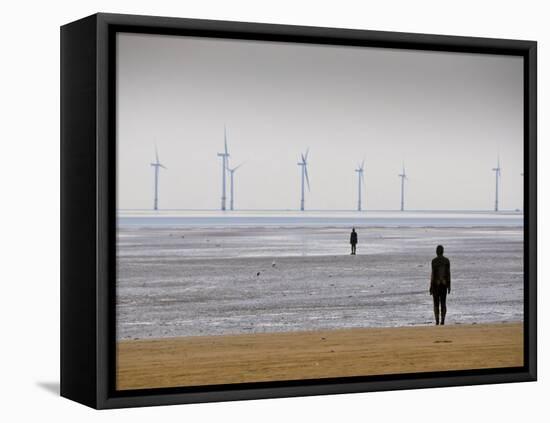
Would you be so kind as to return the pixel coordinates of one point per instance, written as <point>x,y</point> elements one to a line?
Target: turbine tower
<point>360,181</point>
<point>497,180</point>
<point>157,165</point>
<point>231,175</point>
<point>305,177</point>
<point>224,156</point>
<point>403,176</point>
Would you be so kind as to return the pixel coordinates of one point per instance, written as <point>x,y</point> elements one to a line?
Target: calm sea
<point>270,218</point>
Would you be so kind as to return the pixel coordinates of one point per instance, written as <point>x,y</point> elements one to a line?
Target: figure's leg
<point>443,305</point>
<point>436,306</point>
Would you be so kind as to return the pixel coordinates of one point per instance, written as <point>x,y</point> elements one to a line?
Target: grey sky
<point>446,115</point>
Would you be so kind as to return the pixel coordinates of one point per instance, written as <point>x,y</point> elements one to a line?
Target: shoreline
<point>278,356</point>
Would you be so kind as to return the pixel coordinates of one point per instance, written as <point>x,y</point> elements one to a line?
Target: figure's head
<point>353,229</point>
<point>439,250</point>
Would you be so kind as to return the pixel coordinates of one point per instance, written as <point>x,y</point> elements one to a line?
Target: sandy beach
<point>240,300</point>
<point>205,360</point>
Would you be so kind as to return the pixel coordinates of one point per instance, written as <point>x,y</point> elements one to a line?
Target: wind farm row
<point>228,173</point>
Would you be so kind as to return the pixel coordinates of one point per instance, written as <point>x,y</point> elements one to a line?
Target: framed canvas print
<point>255,211</point>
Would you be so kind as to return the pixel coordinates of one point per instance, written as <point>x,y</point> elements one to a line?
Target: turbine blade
<point>303,158</point>
<point>164,167</point>
<point>307,178</point>
<point>225,139</point>
<point>307,152</point>
<point>156,153</point>
<point>362,164</point>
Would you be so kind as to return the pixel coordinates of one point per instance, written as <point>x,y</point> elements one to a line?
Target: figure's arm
<point>431,282</point>
<point>449,273</point>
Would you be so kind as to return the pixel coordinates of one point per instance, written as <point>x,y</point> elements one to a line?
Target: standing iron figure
<point>353,241</point>
<point>440,284</point>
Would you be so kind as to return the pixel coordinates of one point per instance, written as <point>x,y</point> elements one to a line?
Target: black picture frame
<point>88,220</point>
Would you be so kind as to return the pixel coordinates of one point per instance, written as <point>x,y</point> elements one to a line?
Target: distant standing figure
<point>440,283</point>
<point>353,241</point>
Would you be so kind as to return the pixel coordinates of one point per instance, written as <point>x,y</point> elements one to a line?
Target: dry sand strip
<point>205,360</point>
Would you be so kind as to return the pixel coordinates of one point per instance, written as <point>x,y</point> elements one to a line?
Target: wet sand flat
<point>185,281</point>
<point>205,360</point>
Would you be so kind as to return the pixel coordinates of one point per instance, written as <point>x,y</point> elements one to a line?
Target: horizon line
<point>488,210</point>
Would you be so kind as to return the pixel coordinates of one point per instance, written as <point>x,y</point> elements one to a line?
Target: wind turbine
<point>497,180</point>
<point>231,175</point>
<point>403,176</point>
<point>157,165</point>
<point>305,177</point>
<point>224,156</point>
<point>360,181</point>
